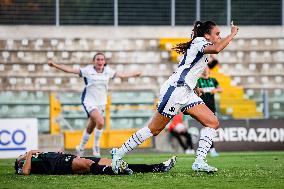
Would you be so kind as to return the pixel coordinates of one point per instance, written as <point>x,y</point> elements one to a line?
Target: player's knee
<point>100,123</point>
<point>214,123</point>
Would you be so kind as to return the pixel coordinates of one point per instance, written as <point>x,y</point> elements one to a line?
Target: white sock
<point>135,140</point>
<point>205,143</point>
<point>97,135</point>
<point>85,139</point>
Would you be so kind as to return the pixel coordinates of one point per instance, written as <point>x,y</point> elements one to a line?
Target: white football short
<point>174,99</point>
<point>91,107</point>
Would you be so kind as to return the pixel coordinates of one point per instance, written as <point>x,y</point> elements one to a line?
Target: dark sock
<point>97,169</point>
<point>212,146</point>
<point>189,140</point>
<point>144,168</point>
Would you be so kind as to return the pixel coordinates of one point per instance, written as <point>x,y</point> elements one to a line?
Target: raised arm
<point>128,74</point>
<point>219,46</point>
<point>63,67</point>
<point>28,163</point>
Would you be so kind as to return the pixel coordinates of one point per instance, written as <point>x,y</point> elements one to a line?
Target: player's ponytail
<point>199,30</point>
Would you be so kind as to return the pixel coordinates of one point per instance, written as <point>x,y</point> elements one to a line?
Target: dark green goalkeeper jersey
<point>52,163</point>
<point>208,85</point>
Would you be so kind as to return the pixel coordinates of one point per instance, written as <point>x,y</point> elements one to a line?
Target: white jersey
<point>192,64</point>
<point>95,92</point>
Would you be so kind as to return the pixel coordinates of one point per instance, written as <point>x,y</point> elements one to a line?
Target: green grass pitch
<point>236,170</point>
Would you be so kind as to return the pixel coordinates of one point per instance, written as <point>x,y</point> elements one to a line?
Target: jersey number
<point>172,109</point>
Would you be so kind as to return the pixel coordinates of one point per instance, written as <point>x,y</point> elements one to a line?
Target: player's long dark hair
<point>199,30</point>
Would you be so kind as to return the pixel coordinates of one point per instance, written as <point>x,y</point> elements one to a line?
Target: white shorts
<point>174,99</point>
<point>91,107</point>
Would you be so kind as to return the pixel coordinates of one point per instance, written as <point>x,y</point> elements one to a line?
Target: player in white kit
<point>177,93</point>
<point>94,97</point>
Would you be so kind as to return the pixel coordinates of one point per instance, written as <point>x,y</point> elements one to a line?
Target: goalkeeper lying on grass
<point>37,162</point>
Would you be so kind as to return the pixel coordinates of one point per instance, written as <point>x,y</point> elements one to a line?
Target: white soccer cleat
<point>96,152</point>
<point>79,151</point>
<point>203,167</point>
<point>169,164</point>
<point>116,161</point>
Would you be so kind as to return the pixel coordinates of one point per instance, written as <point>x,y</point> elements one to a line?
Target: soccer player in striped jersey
<point>94,97</point>
<point>208,87</point>
<point>37,162</point>
<point>177,94</point>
